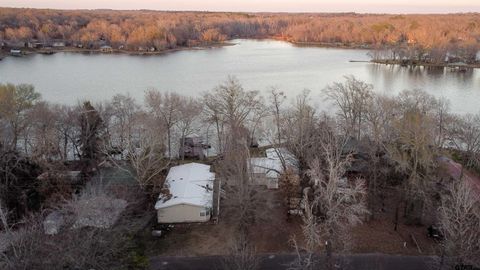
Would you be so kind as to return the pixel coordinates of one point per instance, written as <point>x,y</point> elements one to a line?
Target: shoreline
<point>5,53</point>
<point>424,64</point>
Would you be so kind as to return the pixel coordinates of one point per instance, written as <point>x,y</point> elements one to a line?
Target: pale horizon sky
<point>366,6</point>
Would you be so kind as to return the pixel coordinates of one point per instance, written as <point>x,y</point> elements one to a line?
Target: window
<point>202,213</point>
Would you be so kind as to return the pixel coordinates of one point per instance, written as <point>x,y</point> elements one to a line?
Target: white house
<point>189,197</point>
<point>267,170</point>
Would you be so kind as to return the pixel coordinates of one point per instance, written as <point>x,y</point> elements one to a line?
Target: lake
<point>258,64</point>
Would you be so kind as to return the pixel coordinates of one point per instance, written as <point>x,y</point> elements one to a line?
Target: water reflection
<point>66,77</point>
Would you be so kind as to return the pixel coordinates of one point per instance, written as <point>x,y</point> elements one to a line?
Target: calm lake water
<point>258,64</point>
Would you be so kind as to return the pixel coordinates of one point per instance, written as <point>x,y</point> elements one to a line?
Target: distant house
<point>193,147</point>
<point>458,66</point>
<point>187,195</point>
<point>267,170</point>
<point>38,45</point>
<point>58,44</point>
<point>106,49</point>
<point>16,52</point>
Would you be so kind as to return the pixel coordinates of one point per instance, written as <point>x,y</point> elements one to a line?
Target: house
<point>458,173</point>
<point>267,170</point>
<point>38,45</point>
<point>458,66</point>
<point>16,52</point>
<point>360,151</point>
<point>58,44</point>
<point>187,195</point>
<point>106,49</point>
<point>193,147</point>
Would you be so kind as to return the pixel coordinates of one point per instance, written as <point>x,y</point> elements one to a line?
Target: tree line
<point>403,139</point>
<point>134,30</point>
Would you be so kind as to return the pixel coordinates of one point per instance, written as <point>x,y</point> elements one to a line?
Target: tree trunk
<point>169,143</point>
<point>396,217</point>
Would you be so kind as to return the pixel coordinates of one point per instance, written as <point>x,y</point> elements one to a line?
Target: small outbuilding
<point>187,196</point>
<point>193,147</point>
<point>268,170</point>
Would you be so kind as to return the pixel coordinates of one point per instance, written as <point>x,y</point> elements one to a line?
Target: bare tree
<point>230,106</point>
<point>165,108</point>
<point>124,112</point>
<point>465,136</point>
<point>244,199</point>
<point>379,119</point>
<point>352,98</point>
<point>459,221</point>
<point>443,119</point>
<point>45,142</point>
<point>300,127</point>
<point>69,130</point>
<point>340,205</point>
<point>148,159</point>
<point>277,99</point>
<point>190,112</point>
<point>306,257</point>
<point>15,103</point>
<point>242,254</point>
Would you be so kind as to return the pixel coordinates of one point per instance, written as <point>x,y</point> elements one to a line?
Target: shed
<point>188,196</point>
<point>193,147</point>
<point>267,170</point>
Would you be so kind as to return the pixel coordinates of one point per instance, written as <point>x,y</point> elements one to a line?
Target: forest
<point>404,139</point>
<point>431,37</point>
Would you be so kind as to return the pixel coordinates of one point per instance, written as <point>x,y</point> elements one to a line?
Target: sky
<point>360,6</point>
